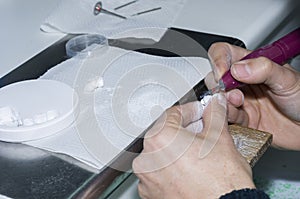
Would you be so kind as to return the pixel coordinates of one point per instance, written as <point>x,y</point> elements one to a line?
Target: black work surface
<point>53,176</point>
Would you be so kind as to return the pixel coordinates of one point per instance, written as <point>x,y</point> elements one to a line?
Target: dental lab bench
<point>29,172</point>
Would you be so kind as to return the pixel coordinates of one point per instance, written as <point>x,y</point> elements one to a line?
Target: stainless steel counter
<point>27,172</point>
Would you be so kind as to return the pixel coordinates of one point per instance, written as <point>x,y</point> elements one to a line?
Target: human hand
<point>178,163</point>
<point>270,103</point>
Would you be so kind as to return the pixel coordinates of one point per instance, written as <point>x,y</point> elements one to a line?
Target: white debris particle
<point>94,84</point>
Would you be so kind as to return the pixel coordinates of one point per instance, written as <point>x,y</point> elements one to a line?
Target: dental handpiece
<point>279,52</point>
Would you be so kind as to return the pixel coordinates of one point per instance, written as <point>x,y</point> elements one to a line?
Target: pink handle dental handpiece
<point>279,52</point>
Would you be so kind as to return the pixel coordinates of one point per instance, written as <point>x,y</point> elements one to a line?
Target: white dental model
<point>205,101</point>
<point>11,118</point>
<point>35,109</point>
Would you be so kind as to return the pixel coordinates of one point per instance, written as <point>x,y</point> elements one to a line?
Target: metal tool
<point>146,11</point>
<point>99,8</point>
<point>279,52</point>
<point>124,5</point>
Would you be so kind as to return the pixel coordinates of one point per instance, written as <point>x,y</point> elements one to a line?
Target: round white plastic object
<point>83,44</point>
<point>37,97</point>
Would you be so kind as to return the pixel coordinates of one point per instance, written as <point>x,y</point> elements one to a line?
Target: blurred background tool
<point>146,11</point>
<point>124,5</point>
<point>98,8</point>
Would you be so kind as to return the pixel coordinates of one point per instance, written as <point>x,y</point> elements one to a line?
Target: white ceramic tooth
<point>9,117</point>
<point>28,122</point>
<point>40,118</point>
<point>52,114</point>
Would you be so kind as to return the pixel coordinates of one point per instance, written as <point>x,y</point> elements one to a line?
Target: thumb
<point>263,70</point>
<point>214,122</point>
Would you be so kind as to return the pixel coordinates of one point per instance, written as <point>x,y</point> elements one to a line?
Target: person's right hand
<point>270,102</point>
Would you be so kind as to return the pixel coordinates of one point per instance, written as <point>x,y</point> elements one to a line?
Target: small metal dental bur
<point>99,8</point>
<point>146,11</point>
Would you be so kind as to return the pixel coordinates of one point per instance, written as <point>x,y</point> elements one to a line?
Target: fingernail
<point>222,99</point>
<point>233,96</point>
<point>215,71</point>
<point>217,75</point>
<point>228,95</point>
<point>241,70</point>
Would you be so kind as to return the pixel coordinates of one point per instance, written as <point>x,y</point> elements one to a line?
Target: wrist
<point>240,177</point>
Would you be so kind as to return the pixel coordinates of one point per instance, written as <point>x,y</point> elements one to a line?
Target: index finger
<point>182,115</point>
<point>222,55</point>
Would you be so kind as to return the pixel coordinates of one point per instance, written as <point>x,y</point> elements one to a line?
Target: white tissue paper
<point>134,90</point>
<point>72,16</point>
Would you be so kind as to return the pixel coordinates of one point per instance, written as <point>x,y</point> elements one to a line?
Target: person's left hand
<point>177,163</point>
